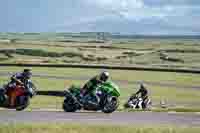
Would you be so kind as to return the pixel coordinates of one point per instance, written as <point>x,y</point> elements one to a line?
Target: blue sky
<point>124,16</point>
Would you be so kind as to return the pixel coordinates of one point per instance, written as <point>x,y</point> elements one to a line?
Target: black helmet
<point>104,76</point>
<point>142,86</point>
<point>27,73</point>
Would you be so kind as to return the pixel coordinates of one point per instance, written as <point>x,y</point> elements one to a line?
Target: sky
<point>150,17</point>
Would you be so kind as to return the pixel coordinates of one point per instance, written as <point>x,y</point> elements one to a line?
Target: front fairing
<point>110,88</point>
<point>74,90</point>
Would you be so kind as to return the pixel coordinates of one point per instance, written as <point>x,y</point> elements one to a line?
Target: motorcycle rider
<point>144,93</point>
<point>93,83</point>
<point>21,78</point>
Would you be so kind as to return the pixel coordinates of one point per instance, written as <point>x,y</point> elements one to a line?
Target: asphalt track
<point>116,118</point>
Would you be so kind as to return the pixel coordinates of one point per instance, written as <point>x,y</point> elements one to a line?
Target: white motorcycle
<point>136,102</point>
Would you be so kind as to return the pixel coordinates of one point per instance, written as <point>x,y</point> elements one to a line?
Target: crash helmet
<point>27,73</point>
<point>142,85</point>
<point>104,76</point>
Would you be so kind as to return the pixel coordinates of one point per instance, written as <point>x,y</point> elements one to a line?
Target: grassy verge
<point>140,52</point>
<point>75,128</point>
<point>169,94</point>
<point>128,75</point>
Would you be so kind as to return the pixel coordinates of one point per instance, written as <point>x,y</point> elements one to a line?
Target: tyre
<point>111,105</point>
<point>2,97</point>
<point>147,104</point>
<point>3,100</point>
<point>22,103</point>
<point>69,105</point>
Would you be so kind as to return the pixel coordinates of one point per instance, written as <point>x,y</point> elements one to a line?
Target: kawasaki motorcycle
<point>104,97</point>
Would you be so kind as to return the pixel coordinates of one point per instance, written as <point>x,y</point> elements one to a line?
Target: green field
<point>183,98</point>
<point>75,128</point>
<point>119,52</point>
<point>62,48</point>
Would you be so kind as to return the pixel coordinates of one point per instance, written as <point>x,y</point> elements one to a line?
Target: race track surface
<point>117,118</point>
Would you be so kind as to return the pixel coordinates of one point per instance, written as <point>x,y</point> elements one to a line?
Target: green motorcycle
<point>104,97</point>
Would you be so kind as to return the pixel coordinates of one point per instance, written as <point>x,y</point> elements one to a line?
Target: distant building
<point>99,36</point>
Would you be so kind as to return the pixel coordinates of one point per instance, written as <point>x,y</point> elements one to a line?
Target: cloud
<point>136,16</point>
<point>155,3</point>
<point>142,9</point>
<point>128,16</point>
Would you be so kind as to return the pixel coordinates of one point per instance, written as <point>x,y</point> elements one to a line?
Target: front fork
<point>12,99</point>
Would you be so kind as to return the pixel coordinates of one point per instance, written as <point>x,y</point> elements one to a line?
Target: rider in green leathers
<point>94,82</point>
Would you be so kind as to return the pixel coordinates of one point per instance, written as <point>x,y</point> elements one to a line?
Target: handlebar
<point>18,81</point>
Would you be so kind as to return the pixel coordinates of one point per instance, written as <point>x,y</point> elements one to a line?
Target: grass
<point>40,53</point>
<point>128,75</point>
<point>46,102</point>
<point>143,46</point>
<point>178,96</point>
<point>80,128</point>
<point>108,54</point>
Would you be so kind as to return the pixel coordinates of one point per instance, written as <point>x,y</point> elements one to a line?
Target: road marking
<point>81,119</point>
<point>43,109</point>
<point>198,113</point>
<point>2,109</point>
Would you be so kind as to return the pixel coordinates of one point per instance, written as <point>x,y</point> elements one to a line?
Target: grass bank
<point>182,53</point>
<point>127,75</point>
<point>178,96</point>
<point>75,128</point>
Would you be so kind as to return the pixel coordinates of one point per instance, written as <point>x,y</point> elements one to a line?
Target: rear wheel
<point>111,105</point>
<point>69,105</point>
<point>22,102</point>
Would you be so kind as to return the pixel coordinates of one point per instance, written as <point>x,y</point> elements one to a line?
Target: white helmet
<point>104,76</point>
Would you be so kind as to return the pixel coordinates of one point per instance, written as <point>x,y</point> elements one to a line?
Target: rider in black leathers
<point>144,93</point>
<point>21,78</point>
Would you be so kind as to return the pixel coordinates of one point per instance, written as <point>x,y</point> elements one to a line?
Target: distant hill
<point>87,35</point>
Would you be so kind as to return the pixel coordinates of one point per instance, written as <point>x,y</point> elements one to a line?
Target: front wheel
<point>111,105</point>
<point>2,97</point>
<point>147,104</point>
<point>22,102</point>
